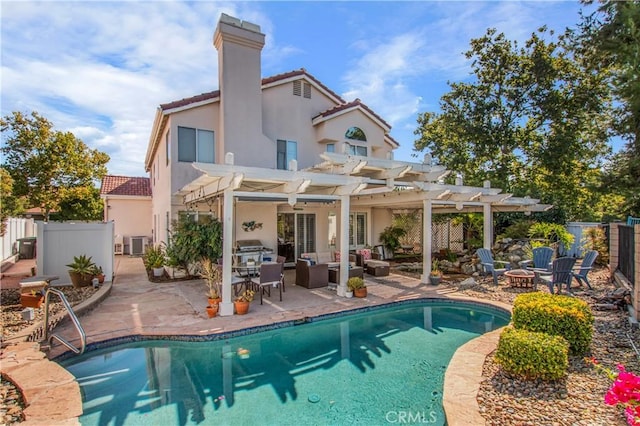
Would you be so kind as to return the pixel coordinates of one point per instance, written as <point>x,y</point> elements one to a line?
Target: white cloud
<point>101,69</point>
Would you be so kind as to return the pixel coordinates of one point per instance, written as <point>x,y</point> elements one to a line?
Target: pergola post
<point>427,237</point>
<point>226,307</point>
<point>488,225</point>
<point>344,244</point>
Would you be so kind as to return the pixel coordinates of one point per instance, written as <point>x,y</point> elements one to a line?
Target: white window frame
<point>288,155</point>
<point>198,134</point>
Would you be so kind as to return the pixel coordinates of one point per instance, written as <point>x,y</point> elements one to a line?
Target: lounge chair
<point>585,267</point>
<point>541,259</point>
<point>561,273</point>
<point>488,264</point>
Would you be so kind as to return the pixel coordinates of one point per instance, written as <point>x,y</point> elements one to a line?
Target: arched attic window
<point>357,135</point>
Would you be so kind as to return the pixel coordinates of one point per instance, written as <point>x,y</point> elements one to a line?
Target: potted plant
<point>212,275</point>
<point>81,271</point>
<point>357,286</point>
<point>212,310</point>
<point>242,302</point>
<point>436,274</point>
<point>31,300</point>
<point>155,259</point>
<point>390,238</point>
<point>98,273</point>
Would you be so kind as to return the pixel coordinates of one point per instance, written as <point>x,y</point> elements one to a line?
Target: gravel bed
<point>577,399</point>
<point>11,402</point>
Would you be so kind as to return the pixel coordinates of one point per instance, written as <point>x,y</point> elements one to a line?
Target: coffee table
<point>354,271</point>
<point>521,278</point>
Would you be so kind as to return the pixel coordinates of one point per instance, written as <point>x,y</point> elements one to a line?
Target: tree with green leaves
<point>9,204</point>
<point>609,38</point>
<point>47,165</point>
<point>533,121</point>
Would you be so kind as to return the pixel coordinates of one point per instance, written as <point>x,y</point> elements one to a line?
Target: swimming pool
<point>384,365</point>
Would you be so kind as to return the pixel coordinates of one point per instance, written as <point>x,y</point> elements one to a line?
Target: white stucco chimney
<point>239,44</point>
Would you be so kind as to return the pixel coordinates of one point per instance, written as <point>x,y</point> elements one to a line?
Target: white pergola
<point>351,180</point>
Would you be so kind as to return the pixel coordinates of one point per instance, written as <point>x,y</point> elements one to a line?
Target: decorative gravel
<point>577,399</point>
<point>11,402</point>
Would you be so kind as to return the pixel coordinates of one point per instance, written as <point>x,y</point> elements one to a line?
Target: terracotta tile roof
<point>193,99</point>
<point>125,185</point>
<point>267,80</point>
<point>348,105</point>
<point>294,73</point>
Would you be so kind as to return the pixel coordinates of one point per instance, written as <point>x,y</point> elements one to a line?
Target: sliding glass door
<point>296,234</point>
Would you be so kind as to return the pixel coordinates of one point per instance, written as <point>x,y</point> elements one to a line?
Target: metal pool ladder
<point>74,319</point>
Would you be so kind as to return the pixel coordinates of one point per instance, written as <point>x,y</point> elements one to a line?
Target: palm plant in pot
<point>155,259</point>
<point>436,274</point>
<point>357,286</point>
<point>390,239</point>
<point>81,271</point>
<point>212,275</point>
<point>243,301</point>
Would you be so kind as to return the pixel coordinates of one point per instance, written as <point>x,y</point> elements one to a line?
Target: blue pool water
<point>381,366</point>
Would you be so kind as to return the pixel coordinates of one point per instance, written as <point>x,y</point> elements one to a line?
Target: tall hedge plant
<point>190,242</point>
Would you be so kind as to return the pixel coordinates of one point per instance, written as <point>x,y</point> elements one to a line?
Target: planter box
<point>31,301</point>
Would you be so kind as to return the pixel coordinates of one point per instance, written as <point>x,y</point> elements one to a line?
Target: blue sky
<point>100,69</point>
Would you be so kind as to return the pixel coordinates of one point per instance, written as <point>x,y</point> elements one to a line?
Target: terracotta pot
<point>80,280</point>
<point>212,310</point>
<point>360,292</point>
<point>31,301</point>
<point>215,301</point>
<point>100,278</point>
<point>241,307</point>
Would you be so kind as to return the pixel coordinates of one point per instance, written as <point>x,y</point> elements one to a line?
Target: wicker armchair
<point>311,276</point>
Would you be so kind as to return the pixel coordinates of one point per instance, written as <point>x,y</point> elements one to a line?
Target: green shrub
<point>517,230</point>
<point>595,239</point>
<point>192,241</point>
<point>550,234</point>
<point>531,355</point>
<point>557,315</point>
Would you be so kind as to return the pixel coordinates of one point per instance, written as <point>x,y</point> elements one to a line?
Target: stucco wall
<point>130,216</point>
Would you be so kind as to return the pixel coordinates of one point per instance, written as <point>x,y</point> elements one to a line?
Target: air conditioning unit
<point>137,245</point>
<point>118,245</point>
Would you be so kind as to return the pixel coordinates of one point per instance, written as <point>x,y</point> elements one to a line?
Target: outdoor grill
<point>250,249</point>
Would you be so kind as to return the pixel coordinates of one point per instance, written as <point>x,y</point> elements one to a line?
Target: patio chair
<point>541,259</point>
<point>561,273</point>
<point>311,276</point>
<point>488,264</point>
<point>270,276</point>
<point>585,267</point>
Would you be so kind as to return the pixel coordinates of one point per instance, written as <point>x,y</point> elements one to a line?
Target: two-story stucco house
<point>286,161</point>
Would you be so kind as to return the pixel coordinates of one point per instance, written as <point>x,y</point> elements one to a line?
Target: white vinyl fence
<point>16,228</point>
<point>59,242</point>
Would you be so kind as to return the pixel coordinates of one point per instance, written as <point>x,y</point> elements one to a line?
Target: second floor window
<point>358,150</point>
<point>195,145</point>
<point>287,151</point>
<point>356,139</point>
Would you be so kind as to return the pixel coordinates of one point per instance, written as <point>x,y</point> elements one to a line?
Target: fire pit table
<point>521,278</point>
